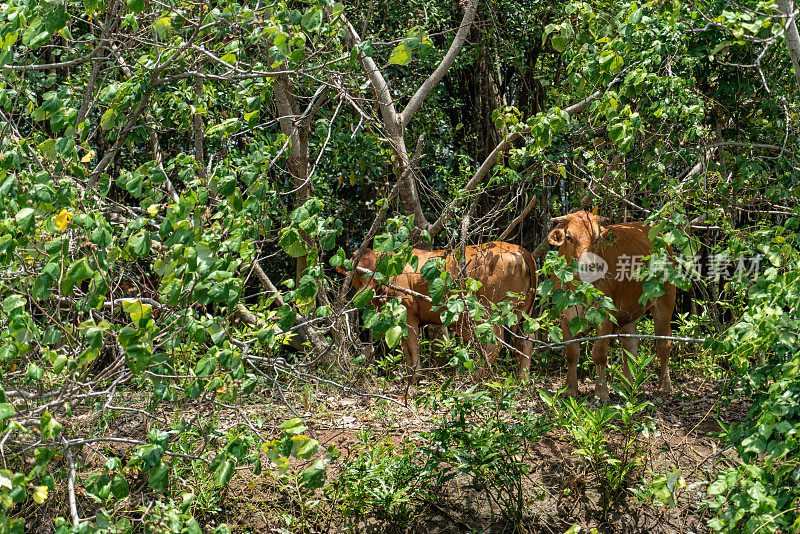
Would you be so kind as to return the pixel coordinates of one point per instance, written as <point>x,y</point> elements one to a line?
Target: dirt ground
<point>687,438</point>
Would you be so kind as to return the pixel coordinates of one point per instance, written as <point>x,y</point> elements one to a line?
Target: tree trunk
<point>476,81</point>
<point>787,7</point>
<point>297,131</point>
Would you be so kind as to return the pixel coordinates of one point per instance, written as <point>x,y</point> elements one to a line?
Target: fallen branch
<point>73,505</point>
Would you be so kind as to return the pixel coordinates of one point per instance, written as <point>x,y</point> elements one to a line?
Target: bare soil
<point>563,490</point>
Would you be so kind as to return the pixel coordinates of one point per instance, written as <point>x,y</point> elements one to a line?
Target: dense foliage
<point>179,180</point>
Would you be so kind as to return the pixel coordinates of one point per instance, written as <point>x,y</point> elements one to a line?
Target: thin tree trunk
<point>199,152</point>
<point>296,130</point>
<point>788,8</point>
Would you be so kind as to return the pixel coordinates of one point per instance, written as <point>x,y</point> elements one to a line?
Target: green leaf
<point>559,42</point>
<point>13,302</point>
<point>594,315</point>
<point>113,463</point>
<point>307,287</point>
<point>26,220</point>
<point>34,373</point>
<point>308,449</point>
<point>79,271</point>
<point>363,298</point>
<point>135,5</point>
<point>578,325</point>
<point>98,485</point>
<point>652,288</point>
<point>36,35</point>
<point>293,426</point>
<point>6,410</point>
<point>107,120</point>
<point>400,55</point>
<point>141,243</point>
<point>50,428</point>
<point>432,269</point>
<point>617,132</point>
<point>286,317</point>
<point>313,477</point>
<point>485,333</point>
<point>223,473</point>
<point>436,290</point>
<point>120,488</point>
<point>312,20</point>
<point>158,478</point>
<point>394,335</point>
<point>291,243</point>
<point>56,19</point>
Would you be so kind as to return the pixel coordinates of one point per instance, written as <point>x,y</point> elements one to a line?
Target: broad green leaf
<point>432,269</point>
<point>79,271</point>
<point>26,220</point>
<point>363,298</point>
<point>293,426</point>
<point>291,242</point>
<point>158,478</point>
<point>135,5</point>
<point>286,317</point>
<point>49,427</point>
<point>312,20</point>
<point>313,477</point>
<point>108,119</point>
<point>6,410</point>
<point>307,287</point>
<point>436,290</point>
<point>400,55</point>
<point>394,335</point>
<point>141,243</point>
<point>13,302</point>
<point>119,486</point>
<point>578,325</point>
<point>223,474</point>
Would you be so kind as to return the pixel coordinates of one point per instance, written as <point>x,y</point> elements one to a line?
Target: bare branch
<point>428,85</point>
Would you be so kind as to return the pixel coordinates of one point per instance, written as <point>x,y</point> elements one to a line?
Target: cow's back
<point>500,267</point>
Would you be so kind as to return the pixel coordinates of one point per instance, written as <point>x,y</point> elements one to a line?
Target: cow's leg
<point>600,359</point>
<point>662,315</point>
<point>493,350</point>
<point>630,345</point>
<point>411,348</point>
<point>572,352</point>
<point>524,358</point>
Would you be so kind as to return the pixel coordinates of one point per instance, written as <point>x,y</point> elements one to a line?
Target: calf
<point>580,235</point>
<point>500,267</point>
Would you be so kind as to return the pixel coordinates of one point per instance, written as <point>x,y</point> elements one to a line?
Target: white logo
<point>591,267</point>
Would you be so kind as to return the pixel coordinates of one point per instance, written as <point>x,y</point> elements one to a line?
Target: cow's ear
<point>556,237</point>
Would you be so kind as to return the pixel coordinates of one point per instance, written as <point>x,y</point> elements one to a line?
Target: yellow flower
<point>39,494</point>
<point>63,219</point>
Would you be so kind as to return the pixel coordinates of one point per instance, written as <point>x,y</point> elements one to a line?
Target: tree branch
<point>504,145</point>
<point>437,75</point>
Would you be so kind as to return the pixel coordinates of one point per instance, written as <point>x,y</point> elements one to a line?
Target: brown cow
<point>500,267</point>
<point>578,236</point>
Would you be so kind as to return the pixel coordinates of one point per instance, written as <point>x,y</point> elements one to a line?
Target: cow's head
<point>360,278</point>
<point>578,232</point>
